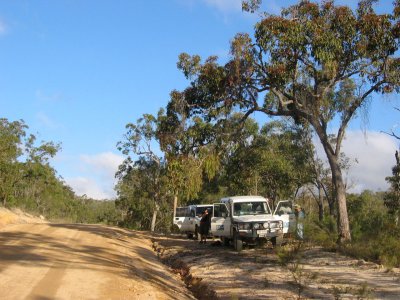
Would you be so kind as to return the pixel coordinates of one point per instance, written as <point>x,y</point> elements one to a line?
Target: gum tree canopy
<point>315,63</point>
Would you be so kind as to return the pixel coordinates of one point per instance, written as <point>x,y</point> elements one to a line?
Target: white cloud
<point>104,164</point>
<point>375,155</point>
<point>371,157</point>
<point>87,186</point>
<point>97,175</point>
<point>225,6</point>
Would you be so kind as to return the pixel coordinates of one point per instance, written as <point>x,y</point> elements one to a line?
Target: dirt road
<point>67,261</point>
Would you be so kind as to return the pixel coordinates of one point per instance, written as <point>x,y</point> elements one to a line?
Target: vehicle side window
<point>181,212</point>
<point>217,211</point>
<point>285,208</point>
<point>220,211</point>
<point>224,211</point>
<point>192,213</point>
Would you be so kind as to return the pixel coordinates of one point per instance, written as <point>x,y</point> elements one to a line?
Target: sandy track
<point>70,261</point>
<point>257,274</point>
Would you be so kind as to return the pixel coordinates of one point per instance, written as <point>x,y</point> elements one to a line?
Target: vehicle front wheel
<point>225,241</point>
<point>237,242</point>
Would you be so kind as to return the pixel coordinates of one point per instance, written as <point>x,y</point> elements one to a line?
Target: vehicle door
<point>188,221</point>
<point>284,211</point>
<point>220,221</point>
<point>192,220</point>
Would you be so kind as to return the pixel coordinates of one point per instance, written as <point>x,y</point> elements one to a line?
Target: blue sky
<point>78,71</point>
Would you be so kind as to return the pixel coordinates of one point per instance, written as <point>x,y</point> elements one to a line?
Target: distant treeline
<point>29,182</point>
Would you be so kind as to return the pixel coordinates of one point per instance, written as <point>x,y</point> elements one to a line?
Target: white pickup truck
<point>245,219</point>
<point>187,218</point>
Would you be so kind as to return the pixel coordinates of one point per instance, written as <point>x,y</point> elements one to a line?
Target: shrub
<point>322,233</point>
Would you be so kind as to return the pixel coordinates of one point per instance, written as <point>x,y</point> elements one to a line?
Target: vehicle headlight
<point>256,226</point>
<point>266,225</point>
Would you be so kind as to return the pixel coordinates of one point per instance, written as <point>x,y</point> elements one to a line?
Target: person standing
<point>299,213</point>
<point>205,224</point>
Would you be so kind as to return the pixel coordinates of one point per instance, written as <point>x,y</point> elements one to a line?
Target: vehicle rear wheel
<point>189,235</point>
<point>237,242</point>
<point>196,233</point>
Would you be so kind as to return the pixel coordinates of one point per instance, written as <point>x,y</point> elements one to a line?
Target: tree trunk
<point>343,219</point>
<point>175,206</point>
<point>154,218</point>
<point>331,204</point>
<point>338,185</point>
<point>340,197</point>
<point>320,205</point>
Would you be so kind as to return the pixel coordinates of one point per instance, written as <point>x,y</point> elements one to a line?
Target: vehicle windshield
<point>250,208</point>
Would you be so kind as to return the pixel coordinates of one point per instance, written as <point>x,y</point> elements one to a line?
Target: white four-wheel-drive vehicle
<point>187,218</point>
<point>245,220</point>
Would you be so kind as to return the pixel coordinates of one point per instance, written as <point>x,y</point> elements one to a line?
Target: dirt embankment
<point>213,271</point>
<point>17,216</point>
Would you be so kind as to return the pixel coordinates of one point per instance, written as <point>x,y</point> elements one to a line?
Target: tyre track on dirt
<point>75,261</point>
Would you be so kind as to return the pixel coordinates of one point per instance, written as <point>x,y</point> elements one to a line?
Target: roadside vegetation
<point>29,182</point>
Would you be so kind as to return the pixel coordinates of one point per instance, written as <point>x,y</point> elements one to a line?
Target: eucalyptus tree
<point>142,193</point>
<point>187,144</point>
<point>141,140</point>
<point>12,136</point>
<point>40,179</point>
<point>274,164</point>
<point>392,197</point>
<point>315,62</point>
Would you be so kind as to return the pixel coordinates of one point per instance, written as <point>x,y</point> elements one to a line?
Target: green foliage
<point>251,5</point>
<point>375,236</point>
<point>392,197</point>
<point>273,163</point>
<point>368,216</point>
<point>141,191</point>
<point>29,182</point>
<point>323,232</point>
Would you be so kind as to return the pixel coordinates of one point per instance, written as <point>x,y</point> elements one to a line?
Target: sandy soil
<point>17,216</point>
<point>45,261</point>
<point>70,261</point>
<point>216,271</point>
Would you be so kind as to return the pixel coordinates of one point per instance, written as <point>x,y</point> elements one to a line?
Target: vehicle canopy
<point>247,205</point>
<point>243,199</point>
